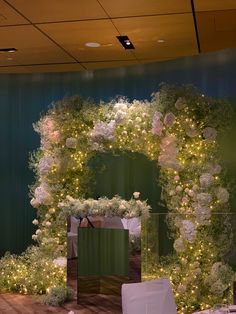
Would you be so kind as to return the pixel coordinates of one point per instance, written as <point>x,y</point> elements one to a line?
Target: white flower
<point>203,214</point>
<point>42,194</point>
<point>213,168</point>
<point>197,271</point>
<point>120,106</point>
<point>38,231</point>
<point>35,222</point>
<point>218,287</point>
<point>51,210</point>
<point>138,119</point>
<point>71,142</point>
<point>60,261</point>
<point>157,125</point>
<point>169,119</point>
<point>103,130</point>
<point>188,230</point>
<point>191,131</point>
<point>204,198</point>
<point>48,224</point>
<point>47,216</point>
<point>179,245</point>
<point>34,237</point>
<point>191,193</point>
<point>124,132</point>
<point>136,195</point>
<point>169,151</point>
<point>120,115</point>
<point>34,203</point>
<point>209,133</point>
<point>176,178</point>
<point>181,288</point>
<point>206,180</point>
<point>180,103</point>
<point>122,207</point>
<point>171,193</point>
<point>45,165</point>
<point>222,195</point>
<point>179,188</point>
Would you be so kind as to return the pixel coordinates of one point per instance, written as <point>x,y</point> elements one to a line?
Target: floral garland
<point>179,129</point>
<point>105,207</point>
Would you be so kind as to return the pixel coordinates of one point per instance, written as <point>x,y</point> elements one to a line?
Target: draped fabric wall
<point>24,97</point>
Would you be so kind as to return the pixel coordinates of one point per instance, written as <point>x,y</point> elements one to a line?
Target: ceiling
<point>50,35</point>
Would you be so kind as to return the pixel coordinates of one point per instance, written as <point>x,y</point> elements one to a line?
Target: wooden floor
<point>27,304</point>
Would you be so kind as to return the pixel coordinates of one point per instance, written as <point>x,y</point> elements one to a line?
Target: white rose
<point>34,203</point>
<point>48,223</point>
<point>35,222</point>
<point>136,195</point>
<point>34,237</point>
<point>38,231</point>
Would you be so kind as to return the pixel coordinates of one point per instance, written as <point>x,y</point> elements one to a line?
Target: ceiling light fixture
<point>125,42</point>
<point>5,50</point>
<point>161,41</point>
<point>92,45</point>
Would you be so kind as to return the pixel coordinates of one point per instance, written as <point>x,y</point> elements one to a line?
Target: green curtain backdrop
<point>24,96</point>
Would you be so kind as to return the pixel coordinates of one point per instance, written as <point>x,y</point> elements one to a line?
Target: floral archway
<point>178,128</point>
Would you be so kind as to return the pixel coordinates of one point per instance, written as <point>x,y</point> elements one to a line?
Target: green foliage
<point>58,296</point>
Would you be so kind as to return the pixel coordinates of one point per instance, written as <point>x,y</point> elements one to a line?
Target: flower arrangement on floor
<point>178,128</point>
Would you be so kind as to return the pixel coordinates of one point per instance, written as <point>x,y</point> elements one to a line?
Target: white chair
<point>113,223</point>
<point>149,297</point>
<point>72,237</point>
<point>133,225</point>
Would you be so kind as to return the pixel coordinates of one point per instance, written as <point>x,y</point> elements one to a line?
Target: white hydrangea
<point>179,245</point>
<point>204,198</point>
<point>188,230</point>
<point>71,142</point>
<point>42,194</point>
<point>202,213</point>
<point>222,195</point>
<point>209,133</point>
<point>45,165</point>
<point>60,261</point>
<point>206,180</point>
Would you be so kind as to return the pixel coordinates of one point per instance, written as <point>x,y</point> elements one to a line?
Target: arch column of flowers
<point>178,128</point>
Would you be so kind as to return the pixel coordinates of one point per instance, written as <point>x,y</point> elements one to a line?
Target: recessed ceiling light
<point>3,50</point>
<point>160,41</point>
<point>92,45</point>
<point>125,42</point>
<point>9,59</point>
